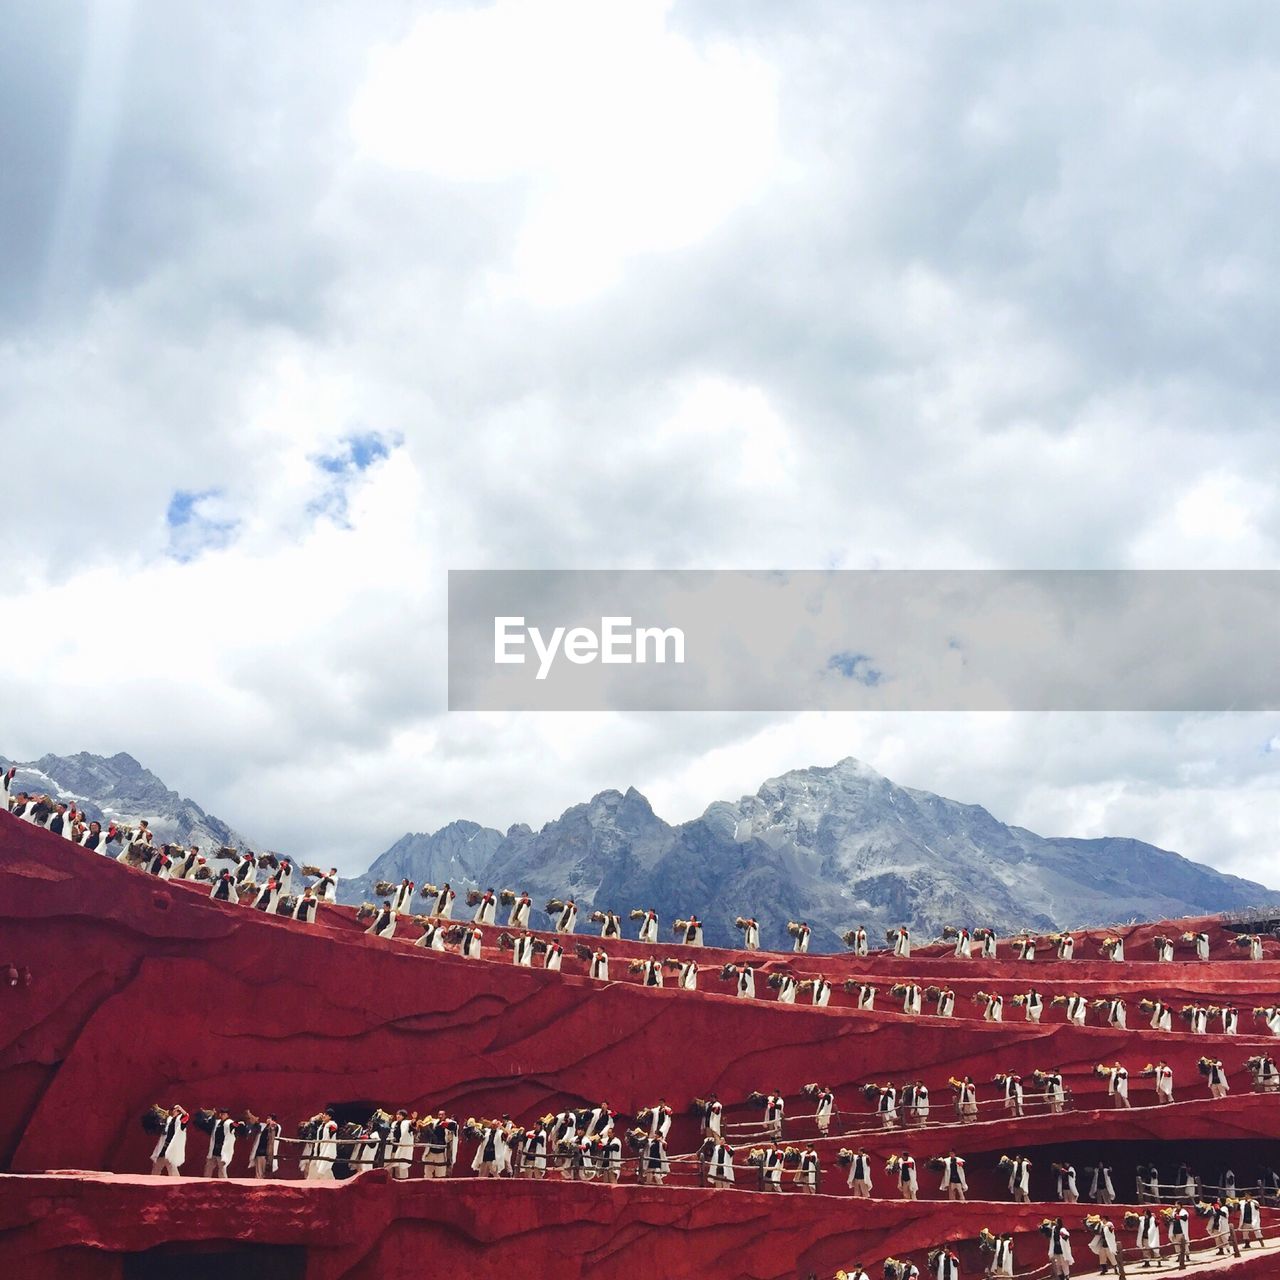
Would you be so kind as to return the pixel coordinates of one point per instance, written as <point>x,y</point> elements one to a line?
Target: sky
<point>303,306</point>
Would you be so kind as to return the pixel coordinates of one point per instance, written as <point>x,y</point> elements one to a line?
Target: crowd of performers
<point>596,1144</point>
<point>266,882</point>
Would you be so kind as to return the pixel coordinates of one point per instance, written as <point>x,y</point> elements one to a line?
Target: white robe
<point>911,1000</point>
<point>384,924</point>
<point>1118,1084</point>
<point>860,943</point>
<point>171,1145</point>
<point>649,929</point>
<point>962,946</point>
<point>787,991</point>
<point>327,887</point>
<point>1066,949</point>
<point>1116,1014</point>
<point>486,911</point>
<point>947,1005</point>
<point>432,938</point>
<point>472,944</point>
<point>688,976</point>
<point>519,917</point>
<point>860,1171</point>
<point>1149,1232</point>
<point>901,942</point>
<point>1033,1007</point>
<point>802,942</point>
<point>720,1166</point>
<point>693,936</point>
<point>402,898</point>
<point>751,938</point>
<point>491,1140</point>
<point>600,967</point>
<point>223,1139</point>
<point>994,1012</point>
<point>956,1177</point>
<point>551,959</point>
<point>746,984</point>
<point>444,904</point>
<point>263,1143</point>
<point>568,920</point>
<point>821,993</point>
<point>400,1144</point>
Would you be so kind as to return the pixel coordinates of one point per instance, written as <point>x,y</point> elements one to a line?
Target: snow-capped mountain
<point>837,847</point>
<point>119,789</point>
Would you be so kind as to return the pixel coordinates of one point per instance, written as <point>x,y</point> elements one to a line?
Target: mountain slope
<point>842,846</point>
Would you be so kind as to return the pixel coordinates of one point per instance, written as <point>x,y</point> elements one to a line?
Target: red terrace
<point>127,991</point>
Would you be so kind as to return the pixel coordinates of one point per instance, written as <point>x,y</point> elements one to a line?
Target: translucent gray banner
<point>640,640</point>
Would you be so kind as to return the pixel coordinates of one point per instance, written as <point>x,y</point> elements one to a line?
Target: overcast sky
<point>305,305</point>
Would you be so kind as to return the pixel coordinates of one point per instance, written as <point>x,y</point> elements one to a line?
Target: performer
<point>473,943</point>
<point>1020,1179</point>
<point>655,1165</point>
<point>1201,943</point>
<point>6,787</point>
<point>787,989</point>
<point>988,939</point>
<point>384,922</point>
<point>1077,1008</point>
<point>774,1111</point>
<point>1012,1094</point>
<point>826,1102</point>
<point>268,897</point>
<point>247,870</point>
<point>866,996</point>
<point>918,1107</point>
<point>821,993</point>
<point>1117,1084</point>
<point>905,1169</point>
<point>1052,1087</point>
<point>954,1182</point>
<point>801,934</point>
<point>399,1156</point>
<point>1161,1016</point>
<point>1068,1190</point>
<point>1101,1188</point>
<point>264,1153</point>
<point>610,924</point>
<point>1066,946</point>
<point>1025,947</point>
<point>860,947</point>
<point>171,1146</point>
<point>599,966</point>
<point>712,1116</point>
<point>440,1146</point>
<point>1230,1017</point>
<point>993,1007</point>
<point>887,1106</point>
<point>327,886</point>
<point>946,1264</point>
<point>224,888</point>
<point>1164,1082</point>
<point>402,897</point>
<point>649,927</point>
<point>1113,949</point>
<point>1255,947</point>
<point>222,1145</point>
<point>284,877</point>
<point>1198,1018</point>
<point>750,933</point>
<point>1116,1014</point>
<point>486,908</point>
<point>692,932</point>
<point>1180,1234</point>
<point>659,1120</point>
<point>806,1177</point>
<point>522,951</point>
<point>443,906</point>
<point>1249,1222</point>
<point>911,999</point>
<point>946,1003</point>
<point>966,1099</point>
<point>491,1155</point>
<point>1032,1005</point>
<point>1219,1225</point>
<point>323,1150</point>
<point>1002,1257</point>
<point>688,979</point>
<point>860,1174</point>
<point>651,972</point>
<point>746,982</point>
<point>432,938</point>
<point>771,1169</point>
<point>1217,1077</point>
<point>1060,1256</point>
<point>568,920</point>
<point>901,940</point>
<point>962,944</point>
<point>520,908</point>
<point>609,1158</point>
<point>1148,1238</point>
<point>720,1164</point>
<point>1103,1243</point>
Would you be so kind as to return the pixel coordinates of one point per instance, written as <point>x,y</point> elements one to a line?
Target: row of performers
<point>1157,1233</point>
<point>588,1143</point>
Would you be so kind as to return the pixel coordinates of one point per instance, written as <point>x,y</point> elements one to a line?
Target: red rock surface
<point>146,991</point>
